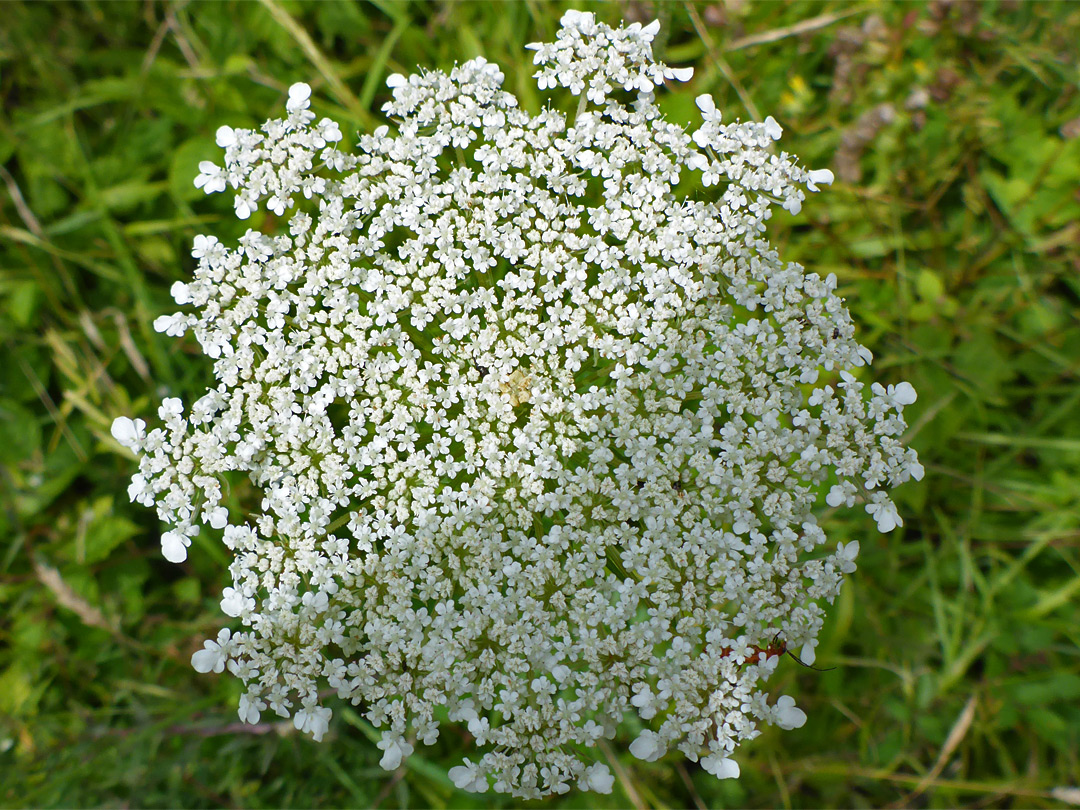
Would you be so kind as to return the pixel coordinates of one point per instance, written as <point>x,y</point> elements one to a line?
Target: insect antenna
<point>809,666</point>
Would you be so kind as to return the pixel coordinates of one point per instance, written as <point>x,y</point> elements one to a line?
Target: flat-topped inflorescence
<point>539,440</point>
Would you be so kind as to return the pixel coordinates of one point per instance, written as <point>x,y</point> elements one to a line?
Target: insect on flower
<point>777,647</point>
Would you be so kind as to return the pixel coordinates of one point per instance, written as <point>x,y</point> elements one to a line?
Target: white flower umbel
<point>539,440</point>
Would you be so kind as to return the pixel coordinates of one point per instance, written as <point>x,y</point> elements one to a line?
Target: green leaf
<point>184,166</point>
<point>106,533</point>
<point>20,431</point>
<point>1060,686</point>
<point>22,302</point>
<point>929,285</point>
<point>123,197</point>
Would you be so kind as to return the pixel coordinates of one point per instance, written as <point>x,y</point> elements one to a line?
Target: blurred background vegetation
<point>954,227</point>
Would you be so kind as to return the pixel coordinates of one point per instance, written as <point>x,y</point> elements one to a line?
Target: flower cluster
<point>538,441</point>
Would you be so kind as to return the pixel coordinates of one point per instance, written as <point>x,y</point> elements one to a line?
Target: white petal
<point>647,747</point>
<point>204,660</point>
<point>249,710</point>
<point>391,758</point>
<point>599,779</point>
<point>225,136</point>
<point>123,430</point>
<point>170,406</point>
<point>904,393</point>
<point>219,518</point>
<point>822,176</point>
<point>300,91</point>
<point>332,131</point>
<point>721,767</point>
<point>174,546</point>
<point>788,715</point>
<point>683,74</point>
<point>300,720</point>
<point>319,722</point>
<point>181,293</point>
<point>210,658</point>
<point>232,602</point>
<point>705,103</point>
<point>461,776</point>
<point>773,130</point>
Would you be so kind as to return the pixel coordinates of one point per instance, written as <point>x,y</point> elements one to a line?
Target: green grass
<point>954,228</point>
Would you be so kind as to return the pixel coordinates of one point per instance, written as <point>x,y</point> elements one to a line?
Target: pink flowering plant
<point>539,440</point>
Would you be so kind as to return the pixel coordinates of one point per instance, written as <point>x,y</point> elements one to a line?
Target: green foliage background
<point>954,228</point>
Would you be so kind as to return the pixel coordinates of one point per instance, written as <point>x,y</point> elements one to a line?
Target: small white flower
<point>788,715</point>
<point>128,432</point>
<point>848,551</point>
<point>225,137</point>
<point>250,709</point>
<point>139,491</point>
<point>203,246</point>
<point>774,131</point>
<point>299,95</point>
<point>171,407</point>
<point>647,746</point>
<point>174,546</point>
<point>822,176</point>
<point>211,177</point>
<point>645,701</point>
<point>842,493</point>
<point>181,292</point>
<point>720,766</point>
<point>233,602</point>
<point>903,393</point>
<point>394,751</point>
<point>467,777</point>
<point>884,512</point>
<point>214,654</point>
<point>330,131</point>
<point>244,206</point>
<point>597,778</point>
<point>171,325</point>
<point>218,518</point>
<point>314,721</point>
